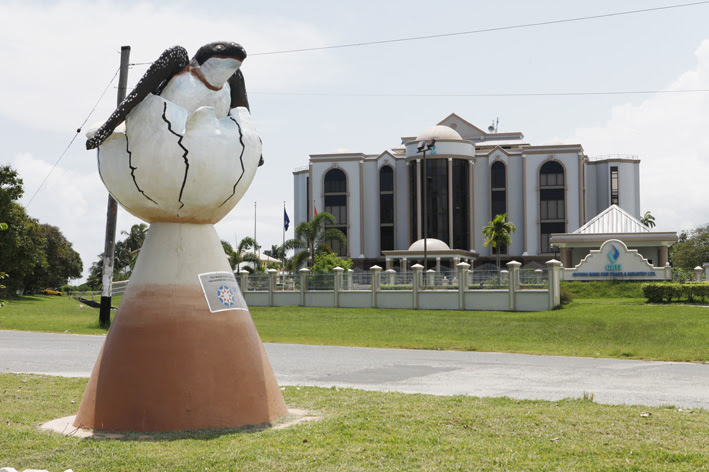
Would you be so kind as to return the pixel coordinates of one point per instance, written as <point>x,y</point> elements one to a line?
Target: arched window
<point>552,205</point>
<point>386,208</point>
<point>498,195</point>
<point>336,204</point>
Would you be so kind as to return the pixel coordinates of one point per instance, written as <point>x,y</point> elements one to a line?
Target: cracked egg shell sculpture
<point>181,147</point>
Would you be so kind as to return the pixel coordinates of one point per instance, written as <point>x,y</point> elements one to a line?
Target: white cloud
<point>59,58</point>
<point>668,131</point>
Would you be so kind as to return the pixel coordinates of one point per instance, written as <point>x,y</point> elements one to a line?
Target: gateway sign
<point>615,261</point>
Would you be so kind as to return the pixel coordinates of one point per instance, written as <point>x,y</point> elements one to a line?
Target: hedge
<point>666,292</point>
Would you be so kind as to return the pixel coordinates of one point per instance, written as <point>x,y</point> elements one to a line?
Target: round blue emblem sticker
<point>225,295</point>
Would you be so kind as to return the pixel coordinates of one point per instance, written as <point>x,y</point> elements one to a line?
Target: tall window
<point>413,203</point>
<point>552,209</point>
<point>498,195</point>
<point>336,204</point>
<point>614,185</point>
<point>461,215</point>
<point>436,199</point>
<point>386,208</point>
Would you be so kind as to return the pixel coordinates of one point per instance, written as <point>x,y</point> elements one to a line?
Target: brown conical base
<point>169,364</point>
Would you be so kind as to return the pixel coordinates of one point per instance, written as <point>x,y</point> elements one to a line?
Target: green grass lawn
<point>368,431</point>
<point>611,328</point>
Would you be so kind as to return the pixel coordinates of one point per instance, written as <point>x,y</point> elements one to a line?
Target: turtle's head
<point>218,61</point>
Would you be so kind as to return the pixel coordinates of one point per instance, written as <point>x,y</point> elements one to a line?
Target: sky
<point>60,56</point>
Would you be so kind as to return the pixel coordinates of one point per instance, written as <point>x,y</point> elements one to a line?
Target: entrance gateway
<point>614,261</point>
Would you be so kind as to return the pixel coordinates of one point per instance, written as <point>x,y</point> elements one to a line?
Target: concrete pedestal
<point>169,363</point>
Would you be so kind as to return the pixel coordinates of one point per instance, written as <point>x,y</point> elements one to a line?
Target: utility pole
<point>104,317</point>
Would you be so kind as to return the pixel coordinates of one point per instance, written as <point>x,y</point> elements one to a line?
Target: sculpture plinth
<point>183,351</point>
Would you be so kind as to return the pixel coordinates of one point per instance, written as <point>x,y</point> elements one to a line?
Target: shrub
<point>565,296</point>
<point>665,292</point>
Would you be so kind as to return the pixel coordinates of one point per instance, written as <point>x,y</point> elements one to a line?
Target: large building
<point>472,175</point>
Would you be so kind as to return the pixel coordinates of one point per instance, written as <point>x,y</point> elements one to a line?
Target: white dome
<point>438,132</point>
<point>432,245</point>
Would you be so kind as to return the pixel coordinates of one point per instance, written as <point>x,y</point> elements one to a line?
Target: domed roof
<point>438,132</point>
<point>431,245</point>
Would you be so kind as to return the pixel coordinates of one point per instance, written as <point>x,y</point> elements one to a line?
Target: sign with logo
<point>614,261</point>
<point>222,292</point>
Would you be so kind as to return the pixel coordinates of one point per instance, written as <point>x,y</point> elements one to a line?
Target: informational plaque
<point>221,291</point>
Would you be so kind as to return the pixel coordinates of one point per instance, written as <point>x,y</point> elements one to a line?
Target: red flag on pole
<point>315,211</point>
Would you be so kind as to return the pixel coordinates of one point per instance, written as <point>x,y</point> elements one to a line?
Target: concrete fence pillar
<point>668,271</point>
<point>430,278</point>
<point>538,276</point>
<point>706,270</point>
<point>271,284</point>
<point>303,284</point>
<point>698,274</point>
<point>462,268</point>
<point>390,276</point>
<point>376,272</point>
<point>244,275</point>
<point>513,268</point>
<point>337,284</point>
<point>350,279</point>
<point>554,283</point>
<point>416,269</point>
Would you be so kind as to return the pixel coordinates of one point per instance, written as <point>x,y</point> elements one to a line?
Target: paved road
<point>519,376</point>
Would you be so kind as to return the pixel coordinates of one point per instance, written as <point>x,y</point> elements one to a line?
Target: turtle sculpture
<point>183,352</point>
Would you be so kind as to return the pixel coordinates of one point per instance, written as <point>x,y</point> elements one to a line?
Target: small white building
<point>472,176</point>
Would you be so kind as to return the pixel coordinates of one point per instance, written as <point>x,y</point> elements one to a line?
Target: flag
<point>315,211</point>
<point>286,220</point>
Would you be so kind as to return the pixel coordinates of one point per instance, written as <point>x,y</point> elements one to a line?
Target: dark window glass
<point>614,185</point>
<point>413,203</point>
<point>552,203</point>
<point>335,181</point>
<point>386,238</point>
<point>461,222</point>
<point>386,208</point>
<point>336,204</point>
<point>386,179</point>
<point>436,199</point>
<point>497,175</point>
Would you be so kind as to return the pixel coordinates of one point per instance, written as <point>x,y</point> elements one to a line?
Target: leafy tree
<point>498,233</point>
<point>125,255</point>
<point>648,220</point>
<point>325,262</point>
<point>21,243</point>
<point>691,250</point>
<point>245,252</point>
<point>62,261</point>
<point>314,235</point>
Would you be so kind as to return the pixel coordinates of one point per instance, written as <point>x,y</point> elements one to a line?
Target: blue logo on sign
<point>225,295</point>
<point>613,254</point>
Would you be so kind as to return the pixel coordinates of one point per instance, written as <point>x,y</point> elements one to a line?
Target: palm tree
<point>498,233</point>
<point>134,241</point>
<point>245,252</point>
<point>648,220</point>
<point>314,235</point>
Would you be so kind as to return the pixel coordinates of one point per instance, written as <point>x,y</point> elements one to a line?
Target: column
<point>375,270</point>
<point>416,269</point>
<point>462,283</point>
<point>303,284</point>
<point>513,268</point>
<point>338,285</point>
<point>271,284</point>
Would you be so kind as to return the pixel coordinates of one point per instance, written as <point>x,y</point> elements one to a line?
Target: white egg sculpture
<point>183,351</point>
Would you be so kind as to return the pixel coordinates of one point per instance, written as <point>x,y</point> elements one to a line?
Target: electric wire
<point>483,30</point>
<point>78,130</point>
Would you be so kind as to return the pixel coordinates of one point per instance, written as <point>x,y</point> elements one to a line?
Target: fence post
<point>375,270</point>
<point>462,283</point>
<point>416,269</point>
<point>244,274</point>
<point>513,267</point>
<point>337,284</point>
<point>390,276</point>
<point>350,281</point>
<point>303,284</point>
<point>698,274</point>
<point>538,276</point>
<point>430,278</point>
<point>554,284</point>
<point>706,271</point>
<point>271,284</point>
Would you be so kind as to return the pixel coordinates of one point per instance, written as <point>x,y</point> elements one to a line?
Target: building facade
<point>388,201</point>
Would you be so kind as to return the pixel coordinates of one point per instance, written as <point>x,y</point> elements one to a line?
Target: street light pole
<point>423,147</point>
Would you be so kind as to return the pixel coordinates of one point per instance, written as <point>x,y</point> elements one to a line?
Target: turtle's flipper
<point>170,62</point>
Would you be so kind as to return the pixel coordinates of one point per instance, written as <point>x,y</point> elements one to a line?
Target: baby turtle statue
<point>183,352</point>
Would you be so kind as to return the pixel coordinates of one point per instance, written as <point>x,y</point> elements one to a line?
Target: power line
<point>481,95</point>
<point>484,30</point>
<point>78,130</point>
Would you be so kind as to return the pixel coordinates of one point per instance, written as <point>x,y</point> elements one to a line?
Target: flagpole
<point>284,225</point>
<point>255,243</point>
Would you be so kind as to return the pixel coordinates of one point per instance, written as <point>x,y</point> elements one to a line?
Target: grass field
<point>368,431</point>
<point>611,328</point>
